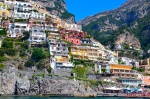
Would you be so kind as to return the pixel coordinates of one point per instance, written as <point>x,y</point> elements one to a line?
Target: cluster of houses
<point>65,40</point>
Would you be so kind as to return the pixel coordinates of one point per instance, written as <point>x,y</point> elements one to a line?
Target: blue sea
<point>65,98</point>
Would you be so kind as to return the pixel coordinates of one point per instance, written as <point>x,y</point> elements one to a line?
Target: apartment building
<point>4,13</point>
<point>52,27</point>
<point>59,55</point>
<point>84,52</point>
<point>37,35</point>
<point>16,29</point>
<point>36,22</point>
<point>35,14</point>
<point>125,75</point>
<point>22,9</point>
<point>124,71</point>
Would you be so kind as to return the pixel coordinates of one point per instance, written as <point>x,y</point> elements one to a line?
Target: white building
<point>37,35</point>
<point>22,10</point>
<point>17,29</point>
<point>74,27</point>
<point>35,14</point>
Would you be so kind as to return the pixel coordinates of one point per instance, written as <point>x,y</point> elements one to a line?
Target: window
<point>3,14</point>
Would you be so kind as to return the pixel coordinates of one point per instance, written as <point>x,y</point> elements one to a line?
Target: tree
<point>25,44</point>
<point>80,71</point>
<point>38,54</point>
<point>40,65</point>
<point>26,35</point>
<point>7,44</point>
<point>29,63</point>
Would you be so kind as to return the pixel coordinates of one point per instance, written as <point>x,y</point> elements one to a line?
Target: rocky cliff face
<point>103,26</point>
<point>13,83</point>
<point>58,8</point>
<point>128,39</point>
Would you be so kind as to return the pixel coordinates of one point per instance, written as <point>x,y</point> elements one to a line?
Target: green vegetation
<point>80,71</point>
<point>35,10</point>
<point>25,44</point>
<point>29,63</point>
<point>7,44</point>
<point>3,32</point>
<point>22,53</point>
<point>38,54</point>
<point>66,15</point>
<point>49,69</point>
<point>20,67</point>
<point>103,70</point>
<point>138,69</point>
<point>20,20</point>
<point>26,35</point>
<point>2,66</point>
<point>40,65</point>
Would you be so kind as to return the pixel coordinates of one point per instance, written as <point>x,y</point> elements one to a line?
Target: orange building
<point>123,71</point>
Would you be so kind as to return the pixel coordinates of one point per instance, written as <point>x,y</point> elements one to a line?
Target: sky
<point>84,8</point>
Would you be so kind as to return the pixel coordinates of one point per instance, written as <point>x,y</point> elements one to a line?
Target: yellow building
<point>3,10</point>
<point>123,71</point>
<point>84,52</point>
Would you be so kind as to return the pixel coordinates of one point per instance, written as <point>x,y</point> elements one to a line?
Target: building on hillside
<point>59,55</point>
<point>4,24</point>
<point>22,9</point>
<point>84,52</point>
<point>35,22</point>
<point>4,13</point>
<point>37,35</point>
<point>72,36</point>
<point>125,75</point>
<point>36,15</point>
<point>52,36</point>
<point>124,71</point>
<point>146,68</point>
<point>86,41</point>
<point>146,80</point>
<point>74,27</point>
<point>51,27</point>
<point>16,29</point>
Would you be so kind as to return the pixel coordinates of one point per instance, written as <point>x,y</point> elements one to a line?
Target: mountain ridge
<point>105,25</point>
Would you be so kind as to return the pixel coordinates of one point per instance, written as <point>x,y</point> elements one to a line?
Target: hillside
<point>108,27</point>
<point>57,8</point>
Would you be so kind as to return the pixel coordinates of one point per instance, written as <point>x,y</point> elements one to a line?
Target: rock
<point>8,81</point>
<point>23,85</point>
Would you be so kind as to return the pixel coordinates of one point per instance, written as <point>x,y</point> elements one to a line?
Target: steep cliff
<point>58,8</point>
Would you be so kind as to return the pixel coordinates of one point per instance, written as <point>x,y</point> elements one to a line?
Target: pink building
<point>75,41</point>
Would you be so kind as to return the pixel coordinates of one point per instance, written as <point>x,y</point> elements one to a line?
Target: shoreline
<point>72,95</point>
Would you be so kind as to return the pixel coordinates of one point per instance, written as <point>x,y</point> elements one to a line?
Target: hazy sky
<point>84,8</point>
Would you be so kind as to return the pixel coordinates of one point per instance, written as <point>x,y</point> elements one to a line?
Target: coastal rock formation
<point>23,85</point>
<point>8,81</point>
<point>11,84</point>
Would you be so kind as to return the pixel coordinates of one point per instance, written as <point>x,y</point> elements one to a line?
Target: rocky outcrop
<point>58,8</point>
<point>128,39</point>
<point>12,84</point>
<point>23,85</point>
<point>8,81</point>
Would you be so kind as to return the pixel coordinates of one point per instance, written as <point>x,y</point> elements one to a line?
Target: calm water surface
<point>65,98</point>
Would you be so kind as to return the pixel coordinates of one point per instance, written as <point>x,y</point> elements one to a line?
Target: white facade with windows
<point>17,29</point>
<point>37,35</point>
